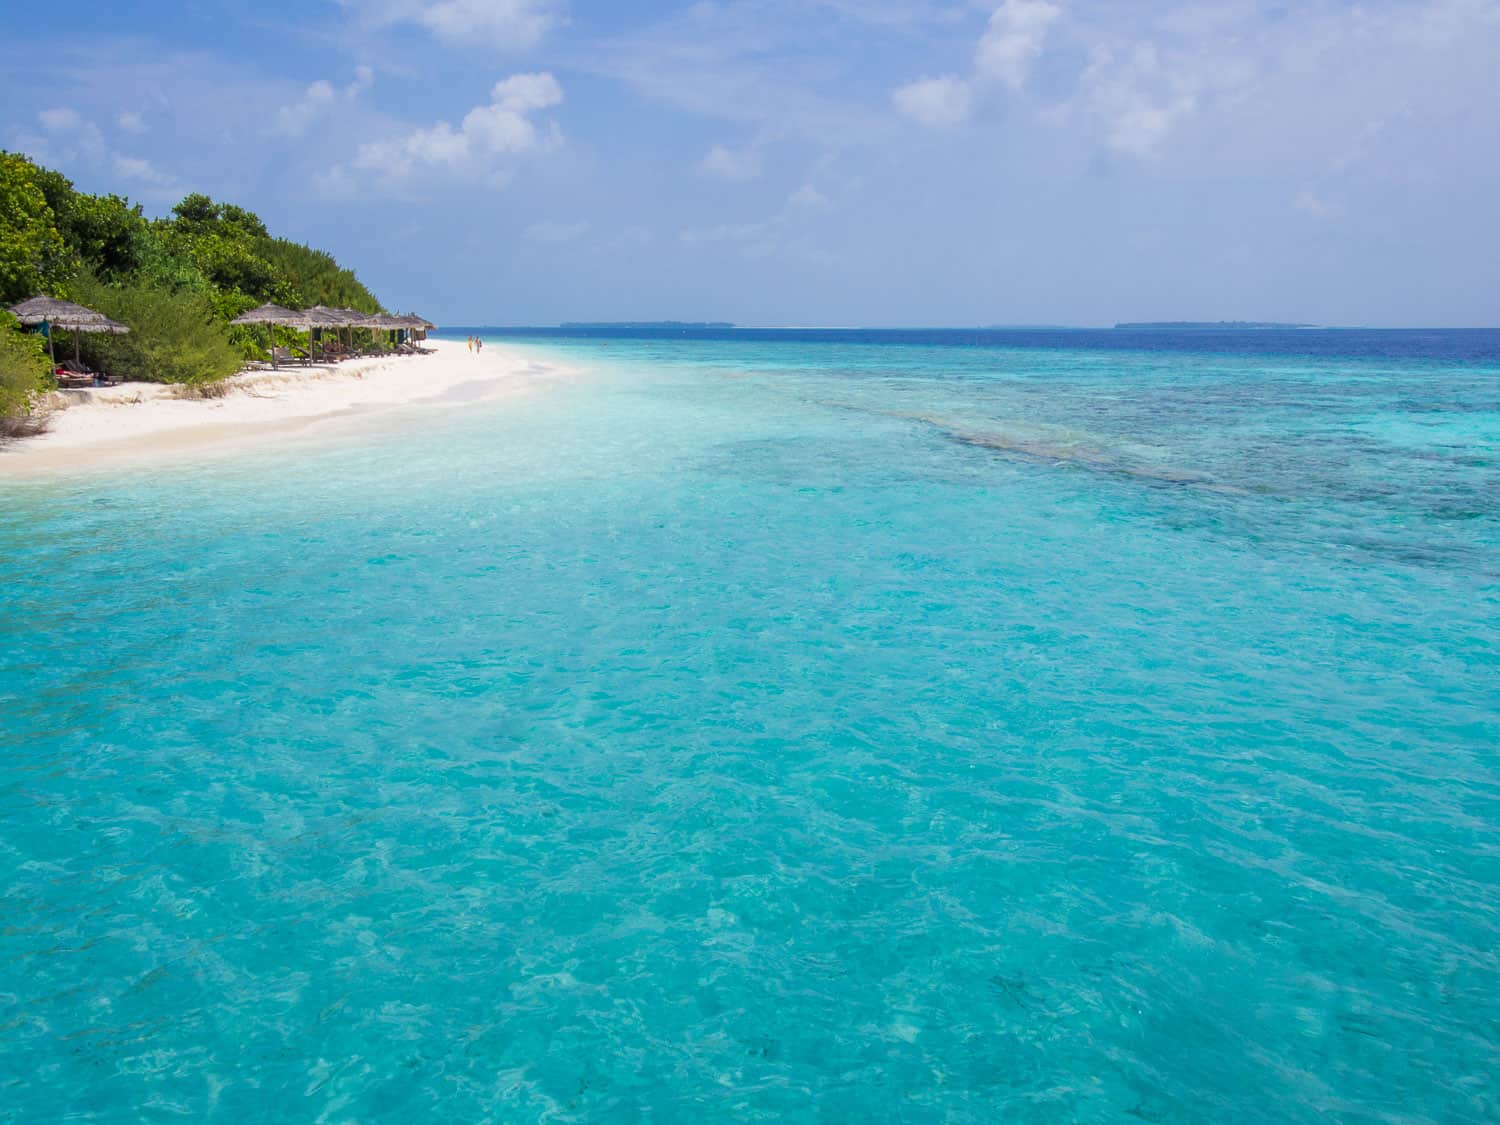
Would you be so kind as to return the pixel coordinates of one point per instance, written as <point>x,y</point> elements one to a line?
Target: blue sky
<point>842,162</point>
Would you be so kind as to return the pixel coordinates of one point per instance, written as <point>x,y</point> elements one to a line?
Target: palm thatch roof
<point>324,317</point>
<point>65,315</point>
<point>275,314</point>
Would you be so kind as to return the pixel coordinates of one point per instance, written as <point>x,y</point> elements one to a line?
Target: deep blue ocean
<point>907,726</point>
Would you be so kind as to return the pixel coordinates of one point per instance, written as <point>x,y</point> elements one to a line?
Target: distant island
<point>592,325</point>
<point>1209,325</point>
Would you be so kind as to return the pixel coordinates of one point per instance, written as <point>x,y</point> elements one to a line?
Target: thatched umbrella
<point>383,321</point>
<point>352,319</point>
<point>370,322</point>
<point>324,317</point>
<point>52,313</point>
<point>413,323</point>
<point>270,315</point>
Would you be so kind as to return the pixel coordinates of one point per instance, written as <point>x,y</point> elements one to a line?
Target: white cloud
<point>731,164</point>
<point>939,103</point>
<point>75,140</point>
<point>550,231</point>
<point>1311,203</point>
<point>59,120</point>
<point>142,171</point>
<point>293,120</point>
<point>318,100</point>
<point>1013,41</point>
<point>809,197</point>
<point>1304,88</point>
<point>1140,124</point>
<point>522,93</point>
<point>68,139</point>
<point>753,63</point>
<point>132,123</point>
<point>504,127</point>
<point>1138,100</point>
<point>789,232</point>
<point>150,181</point>
<point>757,239</point>
<point>510,25</point>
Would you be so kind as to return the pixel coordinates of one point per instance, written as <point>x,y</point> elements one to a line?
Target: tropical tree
<point>33,255</point>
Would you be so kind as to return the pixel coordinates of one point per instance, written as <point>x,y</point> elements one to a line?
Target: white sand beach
<point>105,426</point>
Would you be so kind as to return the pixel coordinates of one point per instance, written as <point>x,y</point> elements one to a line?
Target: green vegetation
<point>175,282</point>
<point>23,375</point>
<point>175,335</point>
<point>32,251</point>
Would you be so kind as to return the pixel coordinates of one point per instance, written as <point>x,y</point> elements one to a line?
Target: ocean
<point>842,726</point>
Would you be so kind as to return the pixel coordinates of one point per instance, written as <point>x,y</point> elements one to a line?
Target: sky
<point>812,162</point>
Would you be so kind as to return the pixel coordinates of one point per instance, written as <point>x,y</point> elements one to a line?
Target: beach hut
<point>272,316</point>
<point>51,313</point>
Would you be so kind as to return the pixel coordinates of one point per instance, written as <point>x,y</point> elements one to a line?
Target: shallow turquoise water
<point>763,731</point>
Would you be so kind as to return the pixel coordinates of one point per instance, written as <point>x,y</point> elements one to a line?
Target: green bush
<point>174,336</point>
<point>24,371</point>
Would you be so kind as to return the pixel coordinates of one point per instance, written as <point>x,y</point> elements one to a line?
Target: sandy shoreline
<point>107,426</point>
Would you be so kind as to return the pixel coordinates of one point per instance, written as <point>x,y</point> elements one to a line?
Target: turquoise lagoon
<point>837,727</point>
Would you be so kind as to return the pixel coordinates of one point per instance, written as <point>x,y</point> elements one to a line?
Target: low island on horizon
<point>1207,325</point>
<point>596,325</point>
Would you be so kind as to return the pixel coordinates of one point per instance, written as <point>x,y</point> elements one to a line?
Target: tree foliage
<point>316,278</point>
<point>33,254</point>
<point>23,367</point>
<point>176,282</point>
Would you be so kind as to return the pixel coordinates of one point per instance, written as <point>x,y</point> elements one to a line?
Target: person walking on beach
<point>478,344</point>
<point>471,343</point>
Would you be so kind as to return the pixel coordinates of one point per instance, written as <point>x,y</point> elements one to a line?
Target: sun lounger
<point>67,379</point>
<point>285,357</point>
<point>74,371</point>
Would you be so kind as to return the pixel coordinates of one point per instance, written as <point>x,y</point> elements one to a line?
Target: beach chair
<point>81,370</point>
<point>285,357</point>
<point>68,379</point>
<point>74,370</point>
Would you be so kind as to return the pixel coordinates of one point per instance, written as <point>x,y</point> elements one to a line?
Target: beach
<point>102,427</point>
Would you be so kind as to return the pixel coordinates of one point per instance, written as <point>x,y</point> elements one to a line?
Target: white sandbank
<point>106,426</point>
